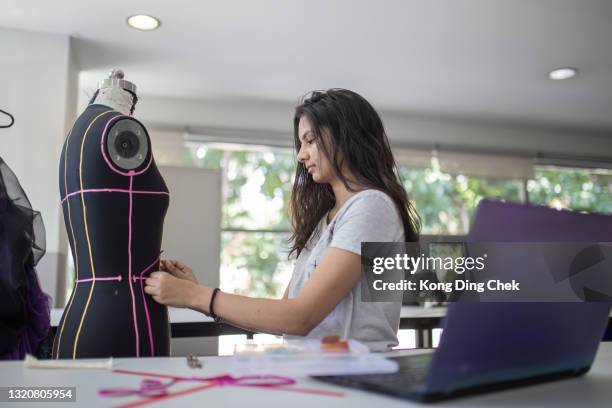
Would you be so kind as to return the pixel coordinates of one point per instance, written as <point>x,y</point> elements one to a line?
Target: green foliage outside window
<point>446,202</point>
<point>577,189</point>
<point>255,263</point>
<point>257,185</point>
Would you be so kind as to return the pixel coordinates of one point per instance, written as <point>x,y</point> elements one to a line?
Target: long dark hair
<point>357,141</point>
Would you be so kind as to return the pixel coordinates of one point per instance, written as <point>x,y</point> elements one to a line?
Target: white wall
<point>192,227</point>
<point>192,234</point>
<point>38,85</point>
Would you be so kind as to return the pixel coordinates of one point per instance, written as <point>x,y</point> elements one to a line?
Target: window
<point>255,263</point>
<point>574,188</point>
<point>446,202</point>
<point>256,183</point>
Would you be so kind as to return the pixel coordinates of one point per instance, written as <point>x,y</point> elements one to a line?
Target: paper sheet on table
<point>305,357</point>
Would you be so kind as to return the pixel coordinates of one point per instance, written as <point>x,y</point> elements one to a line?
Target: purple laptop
<point>490,346</point>
<point>501,343</point>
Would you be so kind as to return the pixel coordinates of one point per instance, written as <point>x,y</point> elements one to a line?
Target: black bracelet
<point>211,310</point>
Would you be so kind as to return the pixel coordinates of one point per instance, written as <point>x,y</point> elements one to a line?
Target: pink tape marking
<point>268,382</point>
<point>144,302</point>
<point>108,162</point>
<point>112,278</point>
<point>113,190</point>
<point>140,278</point>
<point>130,268</point>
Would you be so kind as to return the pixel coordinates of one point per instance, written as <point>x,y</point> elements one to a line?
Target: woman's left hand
<point>169,290</point>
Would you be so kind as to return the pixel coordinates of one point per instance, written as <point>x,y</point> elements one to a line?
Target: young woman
<point>346,191</point>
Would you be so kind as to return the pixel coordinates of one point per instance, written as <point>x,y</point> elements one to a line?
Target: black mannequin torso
<point>114,201</point>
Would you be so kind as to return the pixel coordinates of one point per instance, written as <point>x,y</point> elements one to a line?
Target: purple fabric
<point>24,307</point>
<point>38,311</point>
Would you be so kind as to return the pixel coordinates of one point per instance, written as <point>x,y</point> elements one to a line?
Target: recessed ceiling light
<point>143,22</point>
<point>562,73</point>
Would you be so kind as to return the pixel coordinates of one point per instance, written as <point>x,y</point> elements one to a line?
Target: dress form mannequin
<point>114,202</point>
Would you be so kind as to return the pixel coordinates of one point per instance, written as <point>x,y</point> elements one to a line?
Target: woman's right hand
<point>178,269</point>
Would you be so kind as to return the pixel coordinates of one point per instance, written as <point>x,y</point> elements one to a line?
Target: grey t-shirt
<point>368,216</point>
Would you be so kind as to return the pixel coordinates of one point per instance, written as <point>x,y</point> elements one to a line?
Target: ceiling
<point>481,59</point>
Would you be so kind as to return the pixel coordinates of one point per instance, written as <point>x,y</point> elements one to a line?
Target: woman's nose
<point>301,156</point>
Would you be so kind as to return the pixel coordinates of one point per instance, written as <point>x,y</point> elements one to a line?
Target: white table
<point>188,323</point>
<point>592,390</point>
<point>189,316</point>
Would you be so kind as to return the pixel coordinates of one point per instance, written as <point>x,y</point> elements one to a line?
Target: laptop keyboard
<point>412,373</point>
